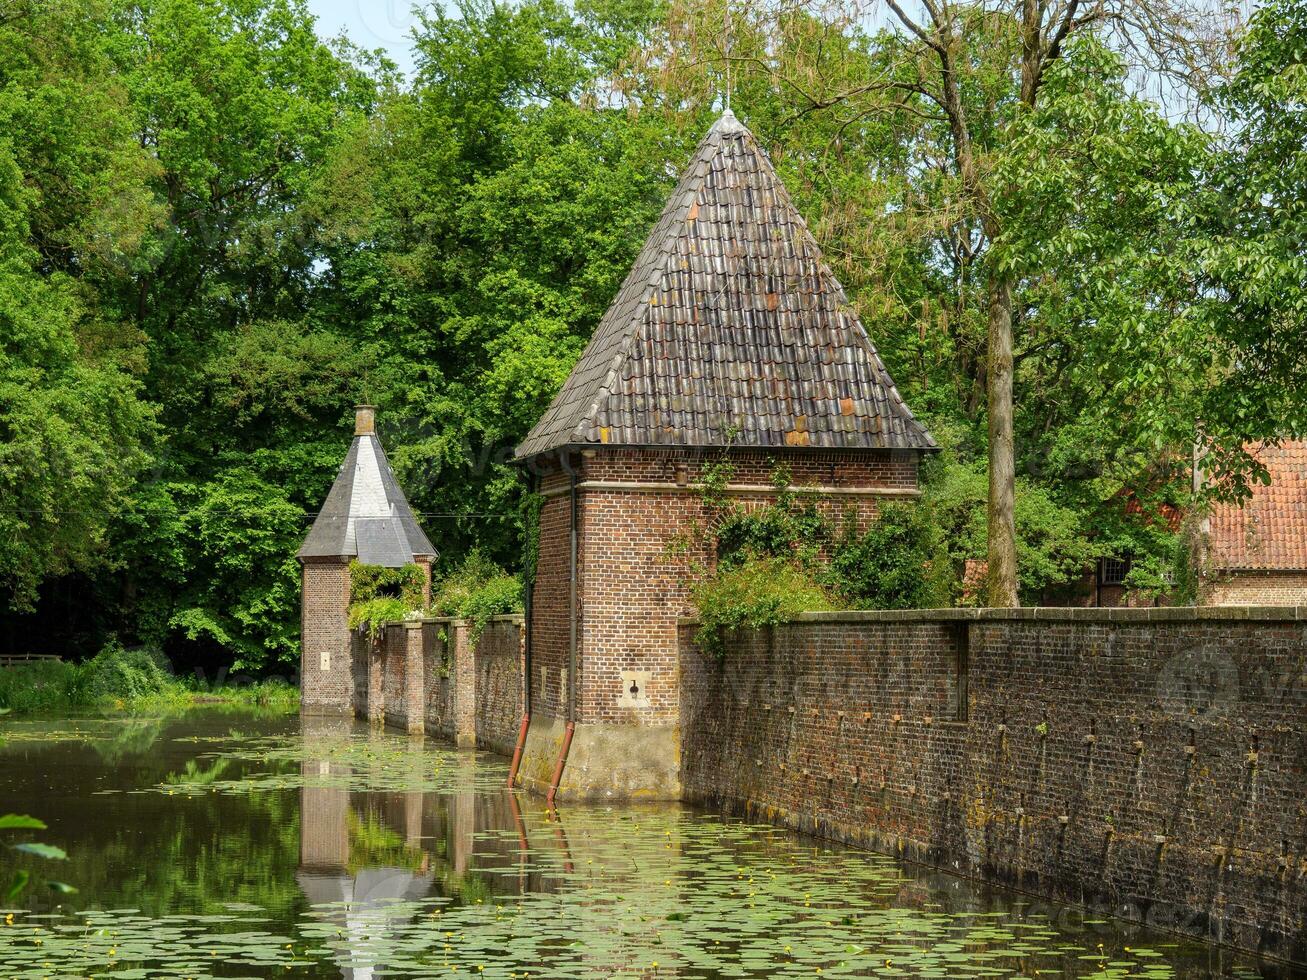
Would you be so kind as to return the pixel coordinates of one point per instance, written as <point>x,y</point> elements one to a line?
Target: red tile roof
<point>1268,531</point>
<point>1170,513</point>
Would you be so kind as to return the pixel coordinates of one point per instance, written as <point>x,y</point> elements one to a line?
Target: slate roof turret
<point>366,515</point>
<point>729,330</point>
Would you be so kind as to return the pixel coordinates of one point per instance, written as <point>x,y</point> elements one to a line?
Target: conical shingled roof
<point>729,330</point>
<point>366,515</point>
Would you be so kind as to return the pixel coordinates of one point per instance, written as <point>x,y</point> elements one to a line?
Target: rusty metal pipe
<point>558,766</point>
<point>517,749</point>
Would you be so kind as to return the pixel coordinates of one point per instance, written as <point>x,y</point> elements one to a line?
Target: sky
<point>370,24</point>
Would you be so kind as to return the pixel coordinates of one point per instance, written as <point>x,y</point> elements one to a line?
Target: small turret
<point>365,517</point>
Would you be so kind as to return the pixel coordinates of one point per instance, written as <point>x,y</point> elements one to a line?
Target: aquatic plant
<point>20,878</point>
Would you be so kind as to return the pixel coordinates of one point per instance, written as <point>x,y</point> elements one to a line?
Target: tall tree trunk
<point>1002,456</point>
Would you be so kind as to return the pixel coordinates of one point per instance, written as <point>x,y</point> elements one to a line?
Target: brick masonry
<point>1256,588</point>
<point>403,664</point>
<point>325,637</point>
<point>633,504</point>
<point>498,669</point>
<point>426,676</point>
<point>1151,763</point>
<point>332,680</point>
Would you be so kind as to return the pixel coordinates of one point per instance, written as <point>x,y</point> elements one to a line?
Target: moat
<point>224,844</point>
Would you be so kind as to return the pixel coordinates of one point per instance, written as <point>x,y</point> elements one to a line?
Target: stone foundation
<point>606,762</point>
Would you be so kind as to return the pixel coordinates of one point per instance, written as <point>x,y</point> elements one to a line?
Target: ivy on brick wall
<point>477,590</point>
<point>380,595</point>
<point>770,562</point>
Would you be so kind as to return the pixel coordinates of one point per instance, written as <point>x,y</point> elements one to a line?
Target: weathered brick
<point>1149,762</point>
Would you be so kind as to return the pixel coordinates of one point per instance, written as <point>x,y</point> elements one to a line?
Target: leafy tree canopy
<point>218,231</point>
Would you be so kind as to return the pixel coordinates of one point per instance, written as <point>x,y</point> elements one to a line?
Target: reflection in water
<point>220,846</point>
<point>345,855</point>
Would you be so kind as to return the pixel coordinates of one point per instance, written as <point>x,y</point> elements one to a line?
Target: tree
<point>74,427</point>
<point>951,103</point>
<point>479,224</point>
<point>983,117</point>
<point>1253,252</point>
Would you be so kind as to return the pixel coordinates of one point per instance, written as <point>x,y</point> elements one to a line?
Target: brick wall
<point>1148,762</point>
<point>550,623</point>
<point>498,667</point>
<point>427,676</point>
<point>324,629</point>
<point>404,666</point>
<point>1256,589</point>
<point>439,712</point>
<point>633,504</point>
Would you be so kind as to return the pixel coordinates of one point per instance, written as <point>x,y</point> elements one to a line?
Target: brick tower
<point>730,336</point>
<point>367,517</point>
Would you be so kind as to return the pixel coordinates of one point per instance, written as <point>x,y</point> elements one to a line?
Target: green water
<point>228,845</point>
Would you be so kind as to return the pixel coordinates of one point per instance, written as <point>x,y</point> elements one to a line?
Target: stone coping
<point>1055,614</point>
<point>517,618</point>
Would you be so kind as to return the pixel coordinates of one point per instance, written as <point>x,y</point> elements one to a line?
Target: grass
<point>133,680</point>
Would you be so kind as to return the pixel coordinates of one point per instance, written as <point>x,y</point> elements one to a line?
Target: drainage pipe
<point>558,766</point>
<point>572,636</point>
<point>529,575</point>
<point>517,749</point>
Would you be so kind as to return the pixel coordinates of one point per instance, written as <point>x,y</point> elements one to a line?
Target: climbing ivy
<point>380,595</point>
<point>759,565</point>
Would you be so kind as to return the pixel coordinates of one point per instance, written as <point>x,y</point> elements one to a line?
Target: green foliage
<point>1056,545</point>
<point>477,591</point>
<point>126,679</point>
<point>20,878</point>
<point>216,232</point>
<point>754,593</point>
<point>118,674</point>
<point>39,686</point>
<point>898,563</point>
<point>407,583</point>
<point>769,559</point>
<point>1252,250</point>
<point>373,614</point>
<point>791,525</point>
<point>380,595</point>
<point>113,674</point>
<point>75,431</point>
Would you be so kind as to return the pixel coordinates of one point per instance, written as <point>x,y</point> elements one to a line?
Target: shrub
<point>789,527</point>
<point>1054,547</point>
<point>380,595</point>
<point>376,613</point>
<point>113,674</point>
<point>477,590</point>
<point>754,593</point>
<point>42,685</point>
<point>406,583</point>
<point>119,674</point>
<point>899,563</point>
